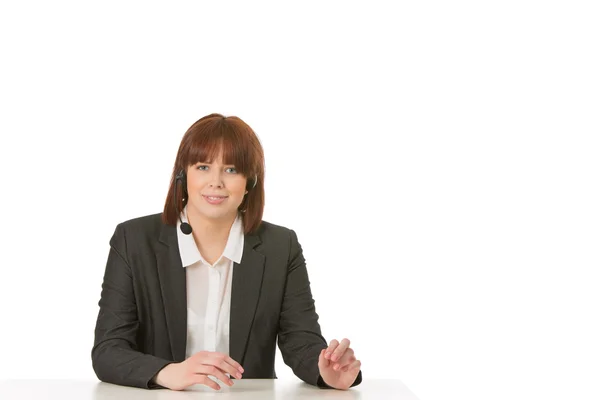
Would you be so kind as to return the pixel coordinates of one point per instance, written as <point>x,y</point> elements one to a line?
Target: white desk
<point>249,389</point>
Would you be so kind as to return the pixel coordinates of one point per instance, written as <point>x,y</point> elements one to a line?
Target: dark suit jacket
<point>142,322</point>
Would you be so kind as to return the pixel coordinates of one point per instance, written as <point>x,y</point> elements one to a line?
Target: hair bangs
<point>206,144</point>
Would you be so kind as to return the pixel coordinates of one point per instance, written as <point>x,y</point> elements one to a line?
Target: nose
<point>216,179</point>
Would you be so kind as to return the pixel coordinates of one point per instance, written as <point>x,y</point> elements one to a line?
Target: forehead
<point>216,158</point>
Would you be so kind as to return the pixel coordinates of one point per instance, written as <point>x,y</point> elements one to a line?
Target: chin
<point>216,214</point>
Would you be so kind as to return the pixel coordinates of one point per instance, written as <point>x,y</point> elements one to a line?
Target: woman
<point>202,291</point>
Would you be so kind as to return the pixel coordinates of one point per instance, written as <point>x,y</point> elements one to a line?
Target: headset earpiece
<point>180,177</point>
<point>251,184</point>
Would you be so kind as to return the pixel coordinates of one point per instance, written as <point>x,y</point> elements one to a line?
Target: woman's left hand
<point>338,366</point>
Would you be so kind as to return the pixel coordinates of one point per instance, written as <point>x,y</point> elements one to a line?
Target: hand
<point>338,366</point>
<point>196,370</point>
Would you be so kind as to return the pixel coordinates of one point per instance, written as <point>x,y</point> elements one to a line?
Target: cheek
<point>237,187</point>
<point>196,183</point>
<point>238,193</point>
<point>193,185</point>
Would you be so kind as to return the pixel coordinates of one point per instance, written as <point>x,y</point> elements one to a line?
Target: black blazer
<point>142,322</point>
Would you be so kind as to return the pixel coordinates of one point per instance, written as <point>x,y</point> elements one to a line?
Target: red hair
<point>241,147</point>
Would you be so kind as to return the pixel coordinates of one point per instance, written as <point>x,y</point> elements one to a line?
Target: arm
<point>300,339</point>
<point>115,357</point>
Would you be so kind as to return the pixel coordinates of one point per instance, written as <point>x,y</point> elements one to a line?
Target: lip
<point>215,195</point>
<point>216,201</point>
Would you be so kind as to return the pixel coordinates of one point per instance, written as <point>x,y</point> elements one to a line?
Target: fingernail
<point>327,354</point>
<point>334,357</point>
<point>336,366</point>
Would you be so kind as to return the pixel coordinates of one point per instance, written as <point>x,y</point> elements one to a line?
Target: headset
<point>180,178</point>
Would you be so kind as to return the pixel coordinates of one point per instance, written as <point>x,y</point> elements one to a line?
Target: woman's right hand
<point>197,369</point>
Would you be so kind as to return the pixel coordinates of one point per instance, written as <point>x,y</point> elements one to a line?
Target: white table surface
<point>263,389</point>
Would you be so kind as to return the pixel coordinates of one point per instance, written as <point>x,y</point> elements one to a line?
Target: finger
<point>232,362</point>
<point>230,369</point>
<point>224,367</point>
<point>346,360</point>
<point>340,350</point>
<point>343,363</point>
<point>332,346</point>
<point>323,362</point>
<point>214,355</point>
<point>216,372</point>
<point>352,366</point>
<point>219,360</point>
<point>205,380</point>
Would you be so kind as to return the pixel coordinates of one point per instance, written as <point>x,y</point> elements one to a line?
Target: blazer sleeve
<point>299,336</point>
<point>115,357</point>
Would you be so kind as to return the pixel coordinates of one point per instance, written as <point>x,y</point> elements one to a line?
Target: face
<point>205,180</point>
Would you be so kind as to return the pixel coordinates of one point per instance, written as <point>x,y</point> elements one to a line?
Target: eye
<point>200,167</point>
<point>234,171</point>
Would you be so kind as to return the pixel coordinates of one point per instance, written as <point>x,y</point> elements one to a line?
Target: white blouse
<point>209,290</point>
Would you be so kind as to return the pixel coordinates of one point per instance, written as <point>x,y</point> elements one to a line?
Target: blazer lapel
<point>245,290</point>
<point>173,289</point>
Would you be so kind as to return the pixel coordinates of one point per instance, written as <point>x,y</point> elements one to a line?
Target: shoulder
<point>146,223</point>
<point>269,231</point>
<point>269,228</point>
<point>277,237</point>
<point>280,243</point>
<point>141,229</point>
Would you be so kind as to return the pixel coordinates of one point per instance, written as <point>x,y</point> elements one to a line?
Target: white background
<point>438,160</point>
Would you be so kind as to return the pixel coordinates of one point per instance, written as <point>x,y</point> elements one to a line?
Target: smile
<point>215,199</point>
